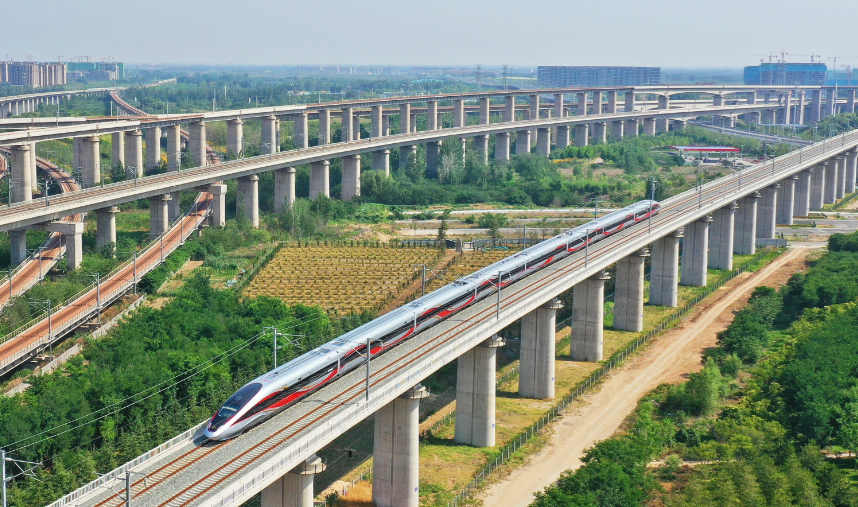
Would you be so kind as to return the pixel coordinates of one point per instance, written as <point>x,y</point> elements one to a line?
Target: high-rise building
<point>566,77</point>
<point>33,74</point>
<point>786,74</point>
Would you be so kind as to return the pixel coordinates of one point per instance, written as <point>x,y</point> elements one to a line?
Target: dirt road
<point>668,359</point>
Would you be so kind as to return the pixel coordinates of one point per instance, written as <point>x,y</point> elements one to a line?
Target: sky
<point>666,33</point>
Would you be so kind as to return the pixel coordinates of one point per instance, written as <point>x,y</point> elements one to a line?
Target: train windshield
<point>235,403</point>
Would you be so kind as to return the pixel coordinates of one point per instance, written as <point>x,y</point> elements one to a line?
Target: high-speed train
<point>271,392</point>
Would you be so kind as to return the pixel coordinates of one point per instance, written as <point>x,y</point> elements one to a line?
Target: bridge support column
<point>405,118</point>
<point>582,134</point>
<point>767,212</point>
<point>247,201</point>
<point>509,108</point>
<point>375,124</point>
<point>481,144</point>
<point>197,148</point>
<point>831,181</point>
<point>559,110</point>
<point>134,153</point>
<point>721,237</point>
<point>679,125</point>
<point>755,117</point>
<point>617,129</point>
<point>347,124</point>
<point>632,129</point>
<point>381,161</point>
<point>561,136</point>
<point>543,142</point>
<point>840,163</point>
<point>18,245</point>
<point>475,394</point>
<point>815,106</point>
<point>600,132</point>
<point>218,192</point>
<point>174,148</point>
<point>433,157</point>
<point>664,277</point>
<point>90,160</point>
<point>850,161</point>
<point>235,138</point>
<point>105,232</point>
<point>117,149</point>
<point>649,126</point>
<point>536,368</point>
<point>629,292</point>
<point>324,126</point>
<point>284,189</point>
<point>458,113</point>
<point>581,107</point>
<point>522,142</point>
<point>295,488</point>
<point>405,153</point>
<point>588,313</point>
<point>158,217</point>
<point>320,179</point>
<point>662,124</point>
<point>611,97</point>
<point>301,130</point>
<point>73,234</point>
<point>695,247</point>
<point>802,193</point>
<point>485,111</point>
<point>817,186</point>
<point>745,230</point>
<point>629,97</point>
<point>153,148</point>
<point>396,451</point>
<point>786,201</point>
<point>22,175</point>
<point>268,139</point>
<point>351,178</point>
<point>502,146</point>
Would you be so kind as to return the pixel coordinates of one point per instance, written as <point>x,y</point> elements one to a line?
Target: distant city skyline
<point>665,33</point>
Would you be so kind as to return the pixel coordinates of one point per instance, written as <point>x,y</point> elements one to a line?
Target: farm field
<point>341,279</point>
<point>466,264</point>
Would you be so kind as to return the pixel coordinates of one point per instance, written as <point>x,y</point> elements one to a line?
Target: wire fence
<point>615,360</point>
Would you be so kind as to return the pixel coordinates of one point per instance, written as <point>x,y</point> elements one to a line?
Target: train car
<point>266,395</point>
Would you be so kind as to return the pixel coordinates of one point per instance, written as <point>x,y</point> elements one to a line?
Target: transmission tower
<point>479,76</point>
<point>505,73</point>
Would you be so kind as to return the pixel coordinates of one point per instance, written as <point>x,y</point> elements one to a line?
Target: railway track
<point>188,490</point>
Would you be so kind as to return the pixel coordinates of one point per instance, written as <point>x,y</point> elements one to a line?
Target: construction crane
<point>763,57</point>
<point>812,55</point>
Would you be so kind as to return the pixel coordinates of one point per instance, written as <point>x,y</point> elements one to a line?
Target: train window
<point>235,403</point>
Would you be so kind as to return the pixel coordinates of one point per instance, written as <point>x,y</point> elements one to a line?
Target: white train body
<point>271,392</point>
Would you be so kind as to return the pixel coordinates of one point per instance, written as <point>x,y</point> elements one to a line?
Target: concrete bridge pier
<point>396,451</point>
<point>347,124</point>
<point>851,163</point>
<point>582,134</point>
<point>721,237</point>
<point>458,113</point>
<point>268,139</point>
<point>73,234</point>
<point>695,247</point>
<point>745,240</point>
<point>218,215</point>
<point>815,106</point>
<point>522,142</point>
<point>629,292</point>
<point>538,345</point>
<point>381,161</point>
<point>356,128</point>
<point>485,111</point>
<point>134,153</point>
<point>558,105</point>
<point>385,125</point>
<point>475,394</point>
<point>509,108</point>
<point>235,138</point>
<point>600,132</point>
<point>786,201</point>
<point>502,146</point>
<point>561,136</point>
<point>301,130</point>
<point>117,149</point>
<point>351,178</point>
<point>543,141</point>
<point>617,129</point>
<point>18,245</point>
<point>159,220</point>
<point>375,125</point>
<point>611,98</point>
<point>831,181</point>
<point>405,119</point>
<point>433,157</point>
<point>629,97</point>
<point>481,144</point>
<point>405,153</point>
<point>767,212</point>
<point>817,186</point>
<point>324,126</point>
<point>248,199</point>
<point>22,176</point>
<point>105,220</point>
<point>432,115</point>
<point>662,124</point>
<point>34,177</point>
<point>664,277</point>
<point>802,193</point>
<point>90,160</point>
<point>631,129</point>
<point>588,314</point>
<point>320,179</point>
<point>755,117</point>
<point>649,127</point>
<point>679,125</point>
<point>197,149</point>
<point>284,189</point>
<point>153,148</point>
<point>840,163</point>
<point>295,488</point>
<point>581,108</point>
<point>174,147</point>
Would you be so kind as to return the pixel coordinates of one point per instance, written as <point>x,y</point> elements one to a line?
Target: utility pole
<point>431,272</point>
